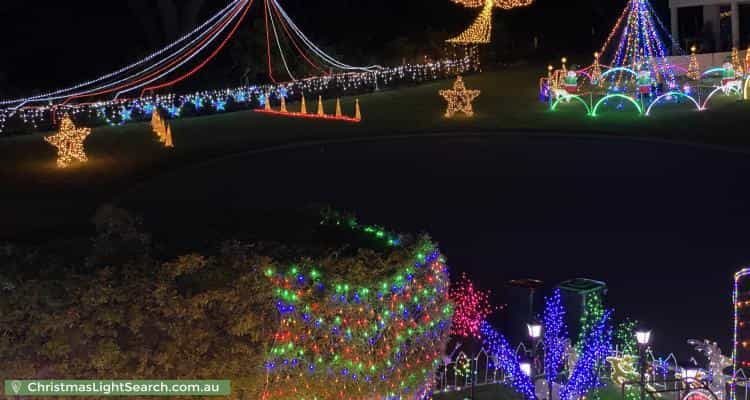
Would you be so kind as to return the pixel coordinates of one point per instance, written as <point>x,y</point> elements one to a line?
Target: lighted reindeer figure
<point>717,363</point>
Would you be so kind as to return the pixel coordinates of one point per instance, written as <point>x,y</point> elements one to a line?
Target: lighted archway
<point>676,94</point>
<point>616,95</point>
<point>747,83</point>
<point>713,70</point>
<point>619,69</point>
<point>725,88</point>
<point>568,97</point>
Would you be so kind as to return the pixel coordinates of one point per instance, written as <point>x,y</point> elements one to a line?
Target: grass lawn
<point>38,197</point>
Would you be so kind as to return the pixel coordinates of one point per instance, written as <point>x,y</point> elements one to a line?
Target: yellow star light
<point>459,98</point>
<point>481,30</point>
<point>69,143</point>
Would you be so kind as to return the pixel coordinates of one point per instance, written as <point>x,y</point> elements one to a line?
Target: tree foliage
<point>121,313</point>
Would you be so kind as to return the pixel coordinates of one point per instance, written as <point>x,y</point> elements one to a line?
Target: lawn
<point>40,198</point>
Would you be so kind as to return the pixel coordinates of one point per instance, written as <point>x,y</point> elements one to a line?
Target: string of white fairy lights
<point>314,48</point>
<point>200,32</point>
<point>163,62</point>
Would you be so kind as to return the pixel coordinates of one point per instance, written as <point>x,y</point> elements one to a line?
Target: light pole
<point>643,337</point>
<point>535,333</point>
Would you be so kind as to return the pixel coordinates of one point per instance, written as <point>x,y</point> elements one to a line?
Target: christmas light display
<point>157,71</point>
<point>741,333</point>
<point>596,347</point>
<point>555,336</point>
<point>507,360</point>
<point>738,66</point>
<point>459,99</point>
<point>625,338</point>
<point>624,370</point>
<point>480,31</point>
<point>245,97</point>
<point>339,340</point>
<point>638,71</point>
<point>472,307</point>
<point>593,312</point>
<point>162,129</point>
<point>69,142</point>
<point>693,67</point>
<point>319,115</point>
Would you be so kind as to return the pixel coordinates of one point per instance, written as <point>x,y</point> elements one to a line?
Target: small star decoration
<point>459,99</point>
<point>69,142</point>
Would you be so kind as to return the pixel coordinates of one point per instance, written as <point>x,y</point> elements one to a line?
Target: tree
<point>164,21</point>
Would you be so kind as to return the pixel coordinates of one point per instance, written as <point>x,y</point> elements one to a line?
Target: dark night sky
<point>53,43</point>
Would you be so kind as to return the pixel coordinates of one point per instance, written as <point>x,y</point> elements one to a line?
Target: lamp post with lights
<point>535,333</point>
<point>643,337</point>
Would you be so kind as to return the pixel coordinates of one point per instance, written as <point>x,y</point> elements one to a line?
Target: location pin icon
<point>16,386</point>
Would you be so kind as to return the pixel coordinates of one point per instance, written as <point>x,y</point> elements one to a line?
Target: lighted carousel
<point>639,74</point>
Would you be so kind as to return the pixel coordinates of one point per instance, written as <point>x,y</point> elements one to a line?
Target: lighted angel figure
<point>481,30</point>
<point>717,363</point>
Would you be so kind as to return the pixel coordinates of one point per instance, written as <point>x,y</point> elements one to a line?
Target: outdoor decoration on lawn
<point>472,307</point>
<point>740,328</point>
<point>320,114</point>
<point>584,366</point>
<point>132,89</point>
<point>480,31</point>
<point>639,74</point>
<point>736,62</point>
<point>717,363</point>
<point>69,142</point>
<point>162,129</point>
<point>340,340</point>
<point>459,99</point>
<point>694,69</point>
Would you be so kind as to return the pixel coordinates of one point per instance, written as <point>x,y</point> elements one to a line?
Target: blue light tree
<point>555,336</point>
<point>596,347</point>
<point>508,360</point>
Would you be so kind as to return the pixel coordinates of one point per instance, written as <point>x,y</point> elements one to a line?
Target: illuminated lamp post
<point>535,333</point>
<point>643,337</point>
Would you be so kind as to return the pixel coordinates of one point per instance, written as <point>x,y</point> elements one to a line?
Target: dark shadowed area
<point>663,224</point>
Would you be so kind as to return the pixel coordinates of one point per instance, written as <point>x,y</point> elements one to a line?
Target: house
<point>713,25</point>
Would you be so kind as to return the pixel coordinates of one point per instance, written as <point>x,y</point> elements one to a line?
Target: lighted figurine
<point>645,82</point>
<point>571,82</point>
<point>728,75</point>
<point>717,363</point>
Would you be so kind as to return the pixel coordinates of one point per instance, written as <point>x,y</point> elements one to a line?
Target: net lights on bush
<point>69,142</point>
<point>337,340</point>
<point>459,99</point>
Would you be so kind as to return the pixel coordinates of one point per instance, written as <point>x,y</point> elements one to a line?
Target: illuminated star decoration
<point>459,99</point>
<point>472,306</point>
<point>480,30</point>
<point>69,143</point>
<point>220,105</point>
